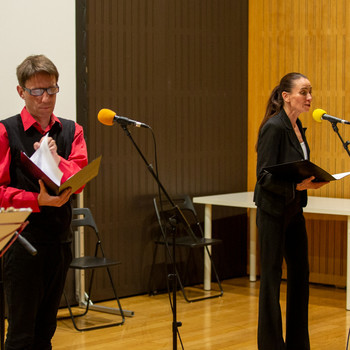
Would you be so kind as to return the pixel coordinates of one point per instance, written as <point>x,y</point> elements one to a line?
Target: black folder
<point>302,169</point>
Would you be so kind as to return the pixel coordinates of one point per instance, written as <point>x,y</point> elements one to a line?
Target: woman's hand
<point>307,184</point>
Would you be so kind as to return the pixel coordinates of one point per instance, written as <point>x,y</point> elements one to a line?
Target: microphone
<point>108,117</point>
<point>320,114</point>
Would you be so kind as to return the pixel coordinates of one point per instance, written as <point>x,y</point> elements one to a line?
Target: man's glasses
<point>39,92</point>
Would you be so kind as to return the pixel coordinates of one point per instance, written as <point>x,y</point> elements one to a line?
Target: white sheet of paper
<point>43,159</point>
<point>341,175</point>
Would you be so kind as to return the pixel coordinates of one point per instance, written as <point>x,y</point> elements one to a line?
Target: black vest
<point>52,224</point>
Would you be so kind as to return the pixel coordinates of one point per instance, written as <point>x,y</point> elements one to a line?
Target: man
<point>34,284</point>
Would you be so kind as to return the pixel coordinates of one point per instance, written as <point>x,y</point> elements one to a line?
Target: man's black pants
<point>33,288</point>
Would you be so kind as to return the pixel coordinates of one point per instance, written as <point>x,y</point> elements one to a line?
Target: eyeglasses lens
<point>39,92</point>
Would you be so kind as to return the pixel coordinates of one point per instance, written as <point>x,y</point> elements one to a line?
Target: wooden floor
<point>228,322</point>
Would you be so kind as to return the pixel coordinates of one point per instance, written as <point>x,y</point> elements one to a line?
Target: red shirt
<point>17,198</point>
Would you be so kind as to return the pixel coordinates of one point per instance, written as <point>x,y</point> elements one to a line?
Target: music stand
<point>12,224</point>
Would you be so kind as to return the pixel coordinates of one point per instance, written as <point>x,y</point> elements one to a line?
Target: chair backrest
<point>86,220</point>
<point>185,204</point>
<point>166,212</point>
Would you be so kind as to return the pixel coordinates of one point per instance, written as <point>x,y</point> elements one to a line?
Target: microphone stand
<point>173,222</point>
<point>346,147</point>
<point>346,143</point>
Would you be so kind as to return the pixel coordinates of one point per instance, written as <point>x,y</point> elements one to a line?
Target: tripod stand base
<point>110,310</point>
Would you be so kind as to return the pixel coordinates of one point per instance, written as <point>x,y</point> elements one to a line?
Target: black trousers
<point>283,237</point>
<point>33,288</point>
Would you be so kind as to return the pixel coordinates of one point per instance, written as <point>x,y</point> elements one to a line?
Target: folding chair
<point>188,237</point>
<point>97,261</point>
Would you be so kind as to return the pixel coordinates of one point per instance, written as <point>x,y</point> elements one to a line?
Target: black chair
<point>82,217</point>
<point>188,234</point>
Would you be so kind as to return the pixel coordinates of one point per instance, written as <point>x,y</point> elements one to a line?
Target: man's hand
<point>307,184</point>
<point>45,199</point>
<point>52,146</point>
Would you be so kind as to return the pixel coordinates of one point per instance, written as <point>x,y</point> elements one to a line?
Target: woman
<point>280,220</point>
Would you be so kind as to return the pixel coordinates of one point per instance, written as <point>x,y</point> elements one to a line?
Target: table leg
<point>207,234</point>
<point>252,247</point>
<point>348,266</point>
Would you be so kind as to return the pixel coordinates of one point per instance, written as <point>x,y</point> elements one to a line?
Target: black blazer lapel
<point>292,137</point>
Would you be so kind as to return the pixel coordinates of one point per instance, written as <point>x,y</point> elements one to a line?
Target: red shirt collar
<point>28,121</point>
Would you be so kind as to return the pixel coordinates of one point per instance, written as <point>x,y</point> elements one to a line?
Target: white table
<point>316,205</point>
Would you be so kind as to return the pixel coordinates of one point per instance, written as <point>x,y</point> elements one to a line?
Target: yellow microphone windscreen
<point>317,114</point>
<point>106,116</point>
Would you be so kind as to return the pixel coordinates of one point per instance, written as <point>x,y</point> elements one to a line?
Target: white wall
<point>37,27</point>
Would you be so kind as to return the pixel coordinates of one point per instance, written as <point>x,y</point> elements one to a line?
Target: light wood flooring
<point>228,322</point>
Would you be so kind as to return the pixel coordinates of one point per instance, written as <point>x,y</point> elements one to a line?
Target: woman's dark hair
<point>275,101</point>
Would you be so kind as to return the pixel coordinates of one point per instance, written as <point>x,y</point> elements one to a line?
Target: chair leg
<point>167,255</point>
<point>116,296</point>
<point>111,310</point>
<point>150,289</point>
<point>86,309</point>
<point>206,297</point>
<point>181,282</point>
<point>71,315</point>
<point>186,270</point>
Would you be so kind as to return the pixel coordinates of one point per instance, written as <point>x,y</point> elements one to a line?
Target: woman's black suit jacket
<point>278,143</point>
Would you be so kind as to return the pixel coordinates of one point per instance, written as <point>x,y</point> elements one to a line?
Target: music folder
<point>302,169</point>
<point>76,181</point>
<point>10,222</point>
